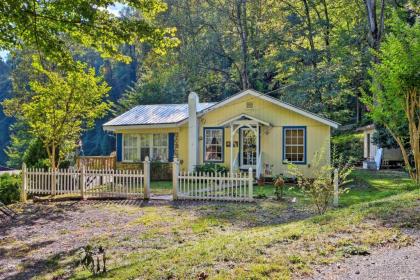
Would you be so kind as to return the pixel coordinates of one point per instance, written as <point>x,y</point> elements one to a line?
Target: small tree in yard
<point>61,106</point>
<point>320,187</point>
<point>396,96</point>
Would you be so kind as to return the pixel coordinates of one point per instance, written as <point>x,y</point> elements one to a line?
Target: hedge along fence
<point>106,183</point>
<point>212,186</point>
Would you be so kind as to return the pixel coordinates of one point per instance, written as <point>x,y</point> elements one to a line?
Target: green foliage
<point>158,84</point>
<point>212,168</point>
<point>36,155</point>
<point>348,145</point>
<point>10,188</point>
<point>320,187</point>
<point>384,139</point>
<point>56,28</point>
<point>61,106</point>
<point>395,102</point>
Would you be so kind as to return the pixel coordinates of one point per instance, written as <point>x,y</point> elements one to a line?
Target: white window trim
<point>222,145</point>
<point>304,129</point>
<point>138,141</point>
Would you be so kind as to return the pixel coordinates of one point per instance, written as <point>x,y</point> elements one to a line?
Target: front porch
<point>249,151</point>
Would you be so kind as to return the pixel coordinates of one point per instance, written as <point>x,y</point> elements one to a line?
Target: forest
<point>316,54</point>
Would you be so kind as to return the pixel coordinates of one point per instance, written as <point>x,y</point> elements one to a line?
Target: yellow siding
<point>183,147</point>
<point>318,134</point>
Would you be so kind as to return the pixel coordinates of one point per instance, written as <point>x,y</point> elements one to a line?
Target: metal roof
<point>155,114</point>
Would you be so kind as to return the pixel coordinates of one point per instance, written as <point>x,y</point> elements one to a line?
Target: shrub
<point>279,186</point>
<point>212,168</point>
<point>349,146</point>
<point>9,188</point>
<point>320,187</point>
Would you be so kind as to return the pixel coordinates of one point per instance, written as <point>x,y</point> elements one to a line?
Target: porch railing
<point>97,162</point>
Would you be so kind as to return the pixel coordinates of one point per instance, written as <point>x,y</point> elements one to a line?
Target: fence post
<point>23,194</point>
<point>250,184</point>
<point>82,182</point>
<point>146,167</point>
<point>175,173</point>
<point>335,202</point>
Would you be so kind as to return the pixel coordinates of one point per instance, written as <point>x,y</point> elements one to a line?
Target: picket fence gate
<point>106,183</point>
<point>212,186</point>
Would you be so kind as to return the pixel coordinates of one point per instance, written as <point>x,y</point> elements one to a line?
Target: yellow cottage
<point>247,130</point>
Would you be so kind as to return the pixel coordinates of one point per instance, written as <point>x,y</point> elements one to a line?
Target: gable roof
<point>274,101</point>
<point>154,115</point>
<point>172,115</point>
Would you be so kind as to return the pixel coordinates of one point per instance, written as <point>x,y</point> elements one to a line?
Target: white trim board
<point>137,126</point>
<point>272,100</point>
<point>246,116</point>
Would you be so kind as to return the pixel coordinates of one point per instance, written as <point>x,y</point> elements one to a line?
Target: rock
<point>357,272</point>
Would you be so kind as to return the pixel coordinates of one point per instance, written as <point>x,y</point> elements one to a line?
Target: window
<point>130,147</point>
<point>136,147</point>
<point>144,146</point>
<point>294,148</point>
<point>160,147</point>
<point>213,144</point>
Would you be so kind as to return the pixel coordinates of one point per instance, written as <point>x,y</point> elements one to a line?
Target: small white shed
<point>374,156</point>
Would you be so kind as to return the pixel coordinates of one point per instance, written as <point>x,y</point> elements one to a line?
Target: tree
<point>61,106</point>
<point>396,96</point>
<point>57,28</point>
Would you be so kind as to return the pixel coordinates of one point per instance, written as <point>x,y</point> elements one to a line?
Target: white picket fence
<point>107,183</point>
<point>214,186</point>
<point>40,181</point>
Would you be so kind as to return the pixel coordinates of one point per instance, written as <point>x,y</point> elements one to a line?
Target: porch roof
<point>244,118</point>
<point>153,115</point>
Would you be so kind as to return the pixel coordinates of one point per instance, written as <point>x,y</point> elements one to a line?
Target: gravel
<point>387,263</point>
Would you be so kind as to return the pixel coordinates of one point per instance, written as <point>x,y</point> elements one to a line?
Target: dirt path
<point>384,264</point>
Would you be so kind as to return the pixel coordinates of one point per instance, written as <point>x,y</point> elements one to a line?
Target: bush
<point>349,145</point>
<point>320,187</point>
<point>212,168</point>
<point>36,155</point>
<point>9,188</point>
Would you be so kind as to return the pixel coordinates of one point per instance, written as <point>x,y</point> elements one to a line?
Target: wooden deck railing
<point>97,162</point>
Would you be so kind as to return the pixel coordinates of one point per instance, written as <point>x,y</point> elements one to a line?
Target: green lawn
<point>263,240</point>
<point>161,187</point>
<point>365,186</point>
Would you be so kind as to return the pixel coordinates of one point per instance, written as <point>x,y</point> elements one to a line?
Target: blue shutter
<point>119,147</point>
<point>171,146</point>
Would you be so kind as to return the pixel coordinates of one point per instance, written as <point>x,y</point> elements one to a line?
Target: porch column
<point>258,169</point>
<point>231,148</point>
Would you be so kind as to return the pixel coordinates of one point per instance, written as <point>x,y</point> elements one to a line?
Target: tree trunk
<point>241,9</point>
<point>54,169</point>
<point>327,31</point>
<point>376,26</point>
<point>411,109</point>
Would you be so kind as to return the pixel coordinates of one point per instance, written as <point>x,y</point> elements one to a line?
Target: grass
<point>365,186</point>
<point>161,187</point>
<point>264,240</point>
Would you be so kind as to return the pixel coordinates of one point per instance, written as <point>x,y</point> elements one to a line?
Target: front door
<point>248,148</point>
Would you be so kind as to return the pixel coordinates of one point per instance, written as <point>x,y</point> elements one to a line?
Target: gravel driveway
<point>385,264</point>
